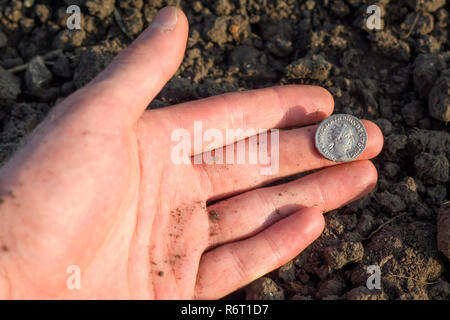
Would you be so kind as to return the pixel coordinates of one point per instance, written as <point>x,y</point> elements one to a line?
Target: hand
<point>95,186</point>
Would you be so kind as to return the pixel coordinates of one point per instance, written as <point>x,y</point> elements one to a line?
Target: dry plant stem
<point>121,25</point>
<point>48,56</point>
<point>411,278</point>
<point>384,224</point>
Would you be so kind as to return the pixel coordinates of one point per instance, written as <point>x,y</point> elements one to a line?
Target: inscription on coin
<point>341,137</point>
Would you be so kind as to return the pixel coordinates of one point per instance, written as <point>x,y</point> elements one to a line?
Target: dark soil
<point>398,76</point>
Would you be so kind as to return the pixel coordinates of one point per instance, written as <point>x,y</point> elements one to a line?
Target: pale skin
<point>94,186</point>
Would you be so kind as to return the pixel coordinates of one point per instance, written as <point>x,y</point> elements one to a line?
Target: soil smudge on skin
<point>213,215</point>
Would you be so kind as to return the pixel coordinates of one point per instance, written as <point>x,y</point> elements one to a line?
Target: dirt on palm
<point>397,76</point>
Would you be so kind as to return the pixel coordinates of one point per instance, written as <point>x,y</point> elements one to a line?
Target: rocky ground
<point>398,76</point>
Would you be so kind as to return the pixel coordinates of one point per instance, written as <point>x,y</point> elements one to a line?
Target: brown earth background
<point>398,76</point>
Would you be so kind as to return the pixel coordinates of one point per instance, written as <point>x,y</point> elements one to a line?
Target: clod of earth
<point>443,229</point>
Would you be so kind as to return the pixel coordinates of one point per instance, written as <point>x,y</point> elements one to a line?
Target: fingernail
<point>166,19</point>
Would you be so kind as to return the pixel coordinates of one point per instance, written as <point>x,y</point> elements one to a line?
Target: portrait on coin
<point>342,140</point>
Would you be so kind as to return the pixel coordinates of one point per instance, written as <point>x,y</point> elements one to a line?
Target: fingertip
<point>173,27</point>
<point>372,172</point>
<point>182,20</point>
<point>167,19</point>
<point>328,101</point>
<point>324,100</point>
<point>316,103</point>
<point>182,15</point>
<point>352,181</point>
<point>375,140</point>
<point>368,175</point>
<point>313,221</point>
<point>139,72</point>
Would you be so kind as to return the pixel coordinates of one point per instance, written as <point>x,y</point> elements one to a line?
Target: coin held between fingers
<point>341,138</point>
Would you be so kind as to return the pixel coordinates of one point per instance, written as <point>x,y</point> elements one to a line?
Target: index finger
<point>268,108</point>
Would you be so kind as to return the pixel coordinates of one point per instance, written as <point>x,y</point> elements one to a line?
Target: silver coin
<point>341,137</point>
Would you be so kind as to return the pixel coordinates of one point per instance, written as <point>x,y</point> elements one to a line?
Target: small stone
<point>37,76</point>
<point>439,98</point>
<point>9,88</point>
<point>264,289</point>
<point>443,229</point>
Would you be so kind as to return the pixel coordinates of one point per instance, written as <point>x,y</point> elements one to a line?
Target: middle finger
<point>296,154</point>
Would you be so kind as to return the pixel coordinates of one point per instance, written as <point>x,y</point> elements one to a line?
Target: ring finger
<point>244,215</point>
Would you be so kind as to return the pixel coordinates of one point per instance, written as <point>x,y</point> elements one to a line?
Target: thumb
<point>139,72</point>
